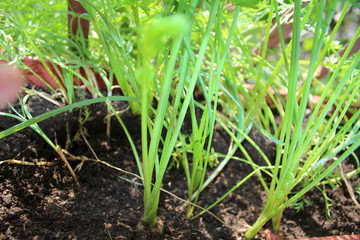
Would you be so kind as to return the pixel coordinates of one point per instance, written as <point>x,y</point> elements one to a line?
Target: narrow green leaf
<point>57,111</point>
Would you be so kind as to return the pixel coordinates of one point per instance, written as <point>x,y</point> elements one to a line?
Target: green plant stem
<point>285,135</point>
<point>335,136</point>
<point>150,150</point>
<point>172,136</point>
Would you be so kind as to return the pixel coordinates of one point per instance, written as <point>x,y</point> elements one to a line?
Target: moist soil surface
<point>42,200</point>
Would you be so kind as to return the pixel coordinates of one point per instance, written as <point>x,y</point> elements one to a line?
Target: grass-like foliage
<point>214,63</point>
<point>154,164</point>
<point>312,147</point>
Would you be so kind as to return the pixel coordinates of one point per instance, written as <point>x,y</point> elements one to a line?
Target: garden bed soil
<point>43,202</point>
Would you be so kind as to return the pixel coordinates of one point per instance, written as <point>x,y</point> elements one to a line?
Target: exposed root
<point>19,162</point>
<point>59,150</point>
<point>349,187</point>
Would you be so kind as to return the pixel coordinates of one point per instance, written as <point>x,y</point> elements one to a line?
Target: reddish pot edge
<point>38,69</point>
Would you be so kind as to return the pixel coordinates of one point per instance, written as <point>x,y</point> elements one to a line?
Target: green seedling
<point>153,166</point>
<point>158,51</point>
<point>202,132</point>
<point>337,136</point>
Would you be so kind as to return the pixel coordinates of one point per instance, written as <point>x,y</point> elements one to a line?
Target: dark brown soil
<point>43,202</point>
